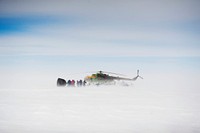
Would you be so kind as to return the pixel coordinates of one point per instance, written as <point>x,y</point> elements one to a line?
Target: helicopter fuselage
<point>103,78</point>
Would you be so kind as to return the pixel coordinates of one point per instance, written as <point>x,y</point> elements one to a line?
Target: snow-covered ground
<point>145,107</point>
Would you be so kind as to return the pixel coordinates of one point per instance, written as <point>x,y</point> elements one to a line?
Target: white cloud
<point>103,42</point>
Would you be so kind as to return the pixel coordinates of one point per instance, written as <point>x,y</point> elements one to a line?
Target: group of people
<point>77,83</point>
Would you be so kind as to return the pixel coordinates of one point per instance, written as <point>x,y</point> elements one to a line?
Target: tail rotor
<point>138,76</point>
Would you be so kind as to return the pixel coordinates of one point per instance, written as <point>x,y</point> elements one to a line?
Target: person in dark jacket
<point>69,82</point>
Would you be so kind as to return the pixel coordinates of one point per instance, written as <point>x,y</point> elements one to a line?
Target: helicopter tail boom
<point>129,79</point>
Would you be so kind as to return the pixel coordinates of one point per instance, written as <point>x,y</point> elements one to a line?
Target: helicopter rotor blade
<point>113,73</point>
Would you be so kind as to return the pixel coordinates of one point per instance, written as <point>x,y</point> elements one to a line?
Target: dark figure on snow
<point>84,83</point>
<point>73,83</point>
<point>80,82</point>
<point>69,82</point>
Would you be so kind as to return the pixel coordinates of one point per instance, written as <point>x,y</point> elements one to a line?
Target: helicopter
<point>101,78</point>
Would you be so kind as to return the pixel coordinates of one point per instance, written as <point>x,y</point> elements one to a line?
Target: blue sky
<point>92,35</point>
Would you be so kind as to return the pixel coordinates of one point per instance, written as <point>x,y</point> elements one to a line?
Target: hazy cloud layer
<point>112,9</point>
<point>126,28</point>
